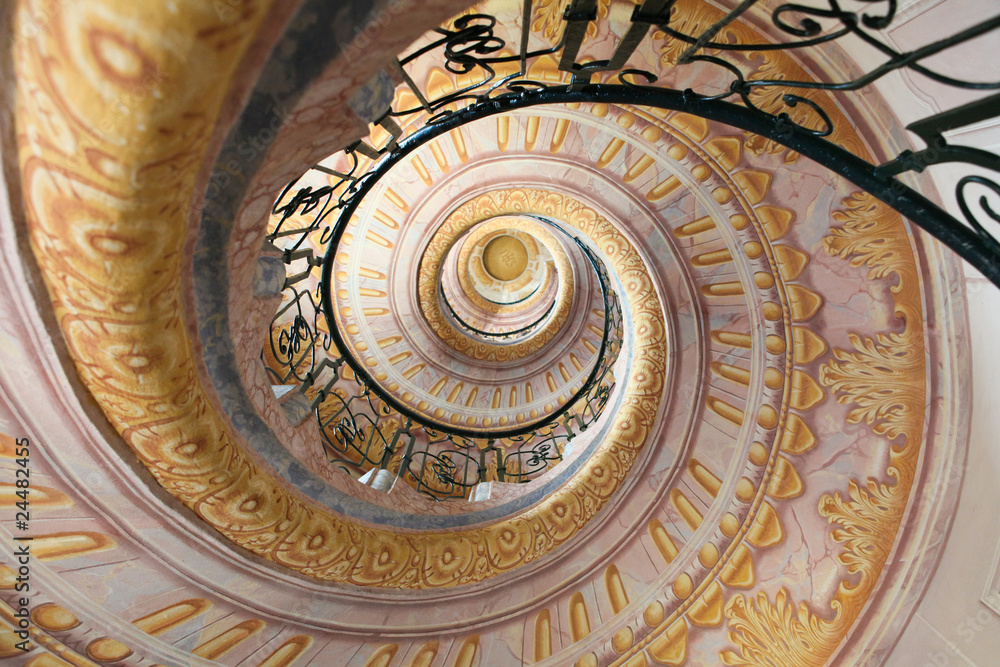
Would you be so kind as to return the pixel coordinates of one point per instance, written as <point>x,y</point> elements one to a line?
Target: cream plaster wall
<point>954,625</point>
<point>958,620</point>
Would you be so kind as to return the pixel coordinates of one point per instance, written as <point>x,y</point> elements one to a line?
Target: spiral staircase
<point>555,333</point>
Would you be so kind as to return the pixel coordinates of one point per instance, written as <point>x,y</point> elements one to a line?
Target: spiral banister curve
<point>365,428</point>
<point>779,389</point>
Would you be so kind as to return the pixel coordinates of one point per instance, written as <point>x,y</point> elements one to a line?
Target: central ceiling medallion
<point>505,258</point>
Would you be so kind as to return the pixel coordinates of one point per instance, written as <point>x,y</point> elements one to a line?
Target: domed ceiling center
<point>505,258</point>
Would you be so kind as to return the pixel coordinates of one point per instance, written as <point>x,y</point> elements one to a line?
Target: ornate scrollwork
<point>984,204</point>
<point>710,38</point>
<point>363,427</point>
<point>472,39</point>
<point>293,345</point>
<point>694,36</point>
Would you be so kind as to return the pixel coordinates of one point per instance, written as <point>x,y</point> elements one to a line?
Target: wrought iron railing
<point>516,301</point>
<point>363,427</point>
<point>459,462</point>
<point>508,336</point>
<point>779,109</point>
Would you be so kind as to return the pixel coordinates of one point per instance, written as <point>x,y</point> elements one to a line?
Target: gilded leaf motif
<point>872,235</point>
<point>881,378</point>
<point>864,521</point>
<point>776,634</point>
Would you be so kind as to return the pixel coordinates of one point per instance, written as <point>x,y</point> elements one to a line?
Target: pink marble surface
<point>153,564</point>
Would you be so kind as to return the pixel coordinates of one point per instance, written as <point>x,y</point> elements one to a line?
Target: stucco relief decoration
<point>883,379</point>
<point>149,390</point>
<point>736,504</point>
<point>460,221</point>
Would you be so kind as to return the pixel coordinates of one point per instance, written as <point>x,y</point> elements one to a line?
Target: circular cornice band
<point>458,222</point>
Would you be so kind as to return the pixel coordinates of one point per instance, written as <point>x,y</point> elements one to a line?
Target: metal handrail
<point>363,426</point>
<point>800,123</point>
<point>504,336</point>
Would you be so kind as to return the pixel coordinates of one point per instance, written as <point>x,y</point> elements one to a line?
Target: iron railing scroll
<point>775,108</point>
<point>779,109</point>
<point>363,427</point>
